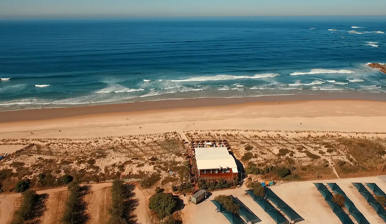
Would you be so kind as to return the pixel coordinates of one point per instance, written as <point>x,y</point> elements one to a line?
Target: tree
<point>66,179</point>
<point>26,210</point>
<point>257,189</point>
<point>228,204</point>
<point>339,200</point>
<point>22,185</point>
<point>163,204</point>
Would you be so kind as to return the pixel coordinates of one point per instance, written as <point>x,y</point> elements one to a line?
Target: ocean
<point>60,63</point>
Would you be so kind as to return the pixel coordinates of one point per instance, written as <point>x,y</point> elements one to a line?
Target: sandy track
<point>142,211</point>
<point>54,205</point>
<point>8,205</point>
<point>98,202</point>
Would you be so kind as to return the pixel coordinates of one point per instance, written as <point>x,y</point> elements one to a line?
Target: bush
<point>247,156</point>
<point>163,204</point>
<point>22,185</point>
<point>46,179</point>
<point>311,155</point>
<point>283,152</point>
<point>381,200</point>
<point>257,189</point>
<point>149,181</point>
<point>283,172</point>
<point>26,211</point>
<point>339,200</point>
<point>228,204</point>
<point>66,179</point>
<point>248,147</point>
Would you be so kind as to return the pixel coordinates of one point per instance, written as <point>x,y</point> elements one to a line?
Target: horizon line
<point>170,17</point>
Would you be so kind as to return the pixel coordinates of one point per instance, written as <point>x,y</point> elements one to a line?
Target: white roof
<point>214,158</point>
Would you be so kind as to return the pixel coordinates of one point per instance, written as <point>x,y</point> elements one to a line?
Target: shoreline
<point>47,113</point>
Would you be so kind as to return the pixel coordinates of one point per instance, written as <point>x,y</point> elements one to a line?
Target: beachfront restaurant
<point>215,163</point>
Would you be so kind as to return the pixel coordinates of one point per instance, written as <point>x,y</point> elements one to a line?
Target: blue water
<point>61,63</point>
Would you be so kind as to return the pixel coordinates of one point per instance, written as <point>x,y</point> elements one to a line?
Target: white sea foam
<point>238,85</point>
<point>355,27</point>
<point>313,83</point>
<point>226,77</point>
<point>116,88</point>
<point>332,30</point>
<point>379,32</point>
<point>372,44</point>
<point>370,87</point>
<point>5,79</point>
<point>146,80</point>
<point>355,80</point>
<point>41,85</point>
<point>151,93</point>
<point>323,71</point>
<point>329,89</point>
<point>224,88</point>
<point>354,32</point>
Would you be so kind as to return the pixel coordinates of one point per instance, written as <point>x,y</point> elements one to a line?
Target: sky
<point>187,8</point>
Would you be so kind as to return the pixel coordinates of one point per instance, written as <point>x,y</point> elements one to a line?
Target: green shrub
<point>66,179</point>
<point>339,200</point>
<point>283,172</point>
<point>46,179</point>
<point>283,152</point>
<point>381,200</point>
<point>247,156</point>
<point>149,181</point>
<point>228,204</point>
<point>311,155</point>
<point>26,210</point>
<point>22,185</point>
<point>248,147</point>
<point>163,204</point>
<point>257,189</point>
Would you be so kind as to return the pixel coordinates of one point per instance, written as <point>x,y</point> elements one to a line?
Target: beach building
<point>215,162</point>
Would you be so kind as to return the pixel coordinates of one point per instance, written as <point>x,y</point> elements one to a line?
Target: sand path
<point>98,202</point>
<point>8,205</point>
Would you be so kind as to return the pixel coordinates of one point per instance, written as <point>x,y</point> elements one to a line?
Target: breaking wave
<point>313,83</point>
<point>226,77</point>
<point>372,44</point>
<point>42,85</point>
<point>5,79</point>
<point>323,71</point>
<point>355,80</point>
<point>117,89</point>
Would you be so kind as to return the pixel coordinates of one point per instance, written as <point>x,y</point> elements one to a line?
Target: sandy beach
<point>200,114</point>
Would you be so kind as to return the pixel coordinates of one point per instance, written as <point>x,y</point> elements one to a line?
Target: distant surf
<point>41,85</point>
<point>323,71</point>
<point>5,79</point>
<point>226,77</point>
<point>372,44</point>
